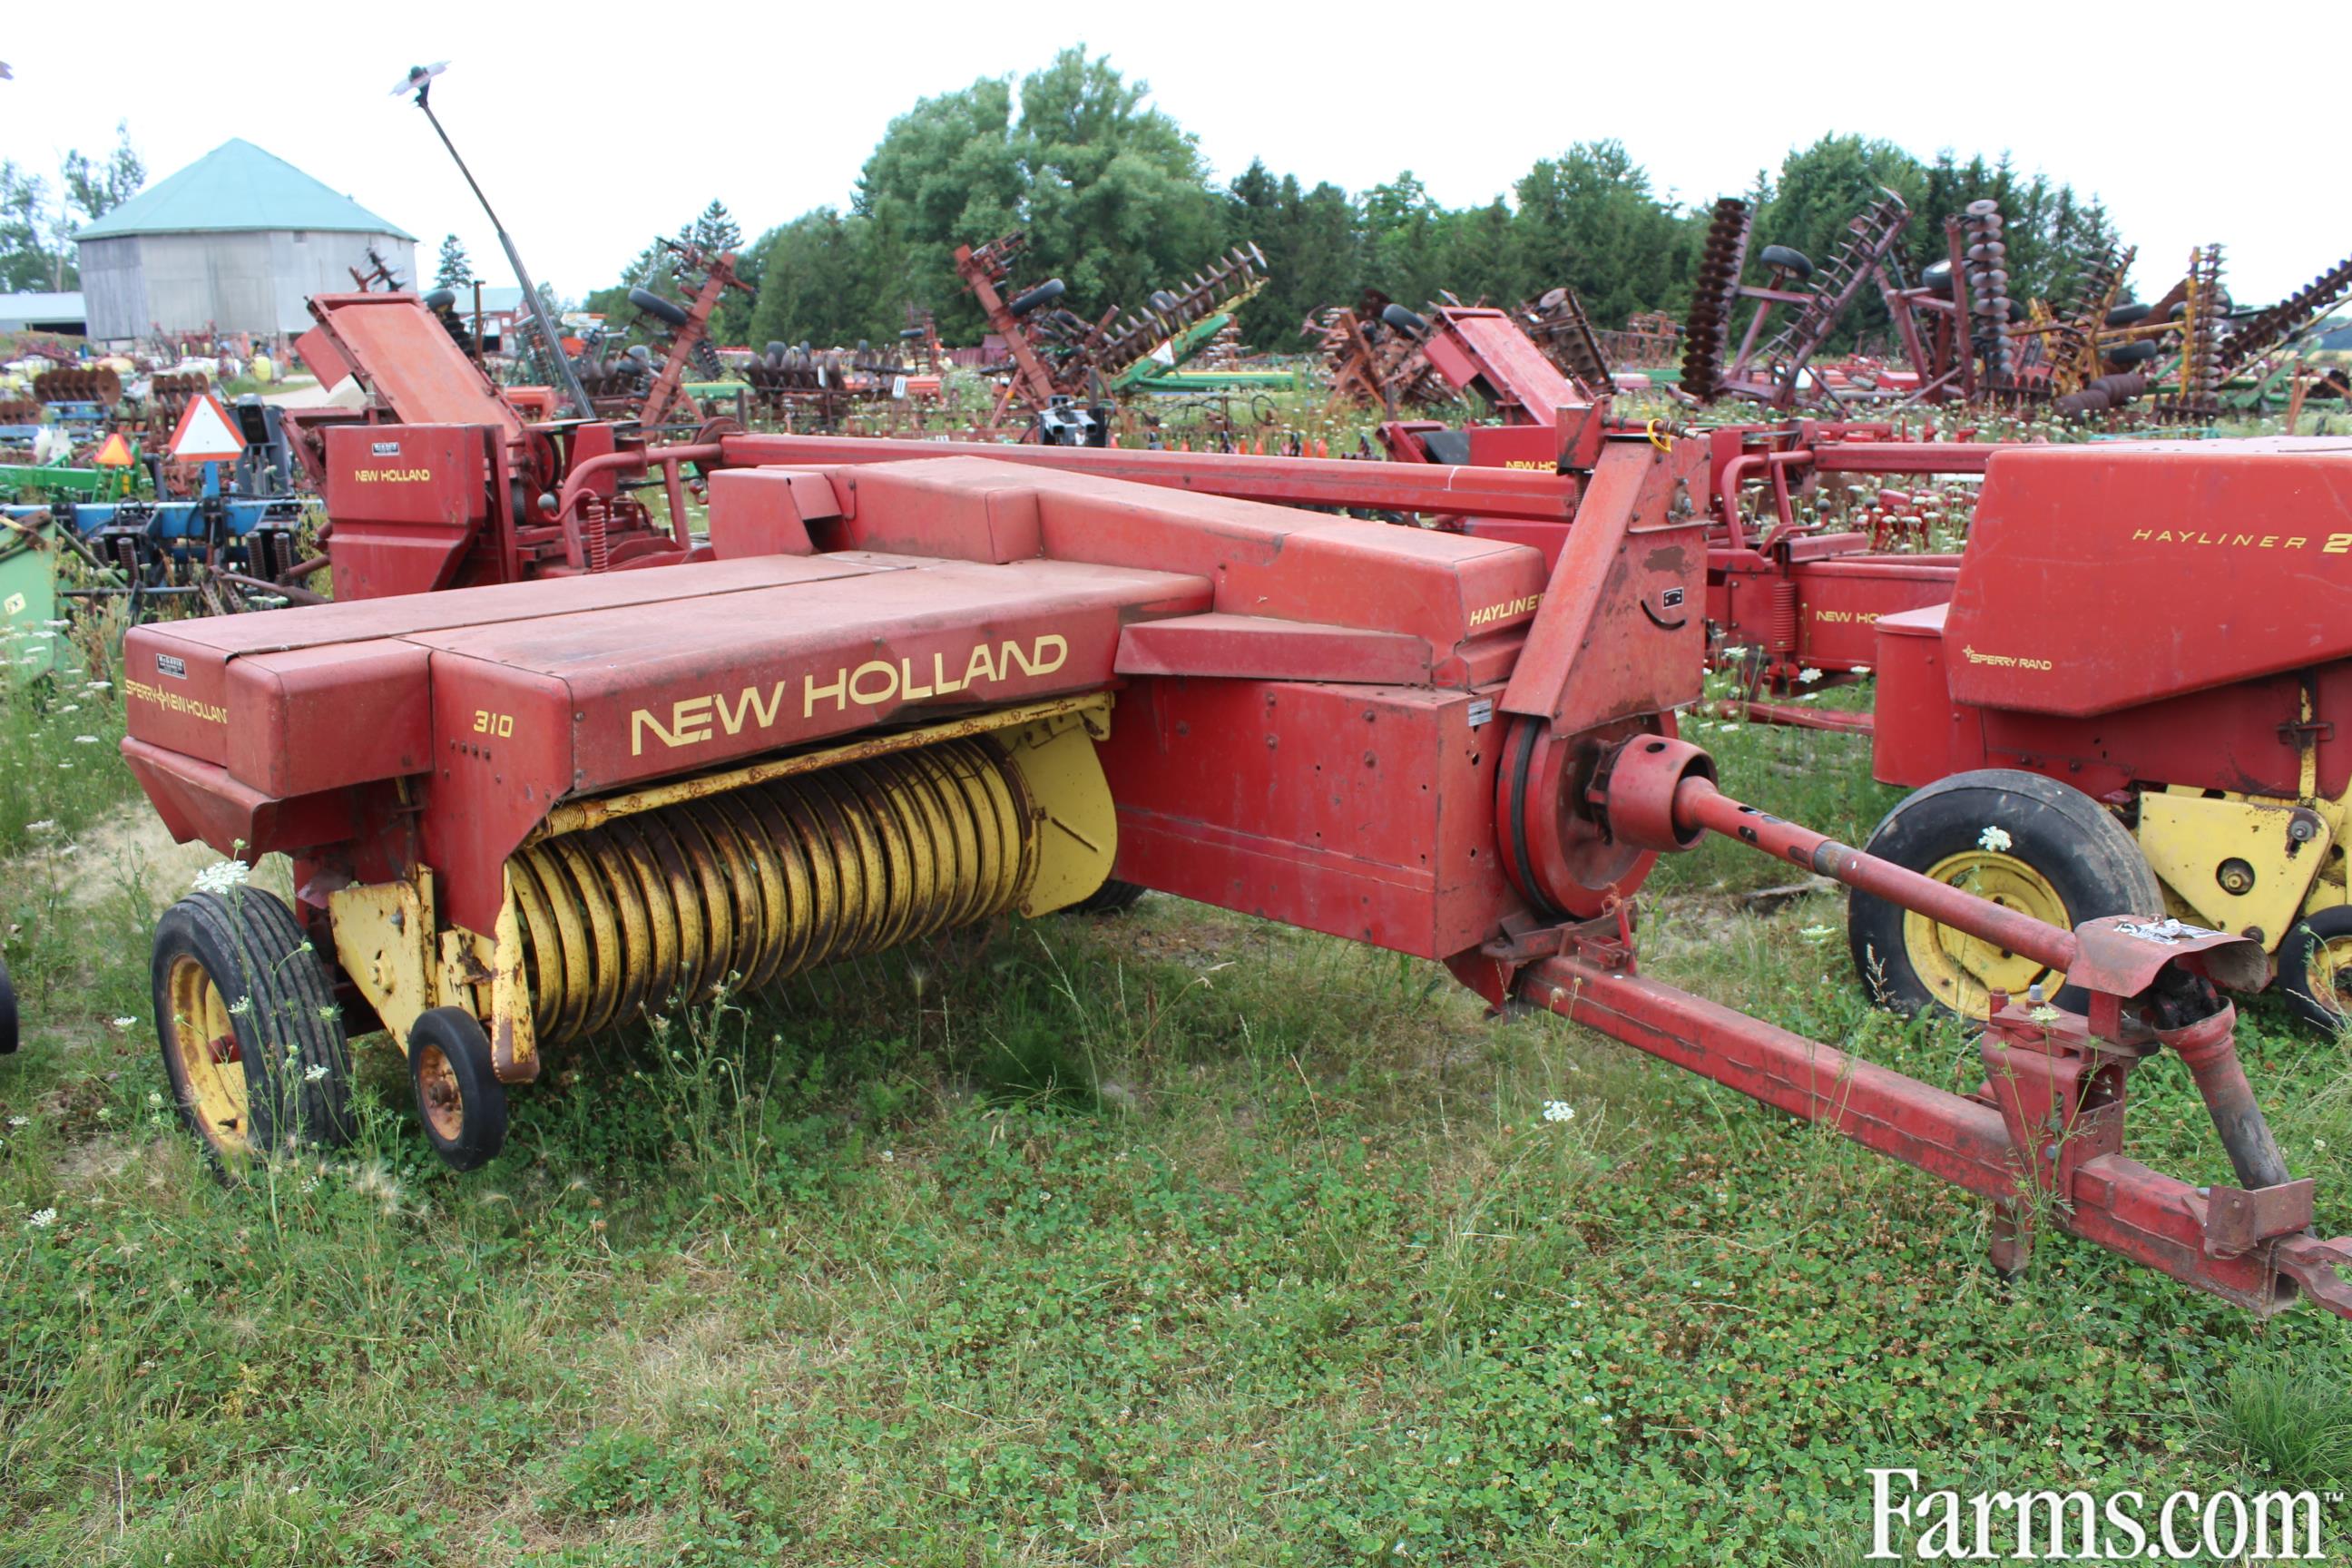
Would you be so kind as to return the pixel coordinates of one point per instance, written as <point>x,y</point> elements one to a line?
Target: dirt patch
<point>128,846</point>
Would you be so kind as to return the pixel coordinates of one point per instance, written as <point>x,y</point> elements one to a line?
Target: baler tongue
<point>2043,1136</point>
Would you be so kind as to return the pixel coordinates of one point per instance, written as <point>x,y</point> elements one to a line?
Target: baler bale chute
<point>885,698</point>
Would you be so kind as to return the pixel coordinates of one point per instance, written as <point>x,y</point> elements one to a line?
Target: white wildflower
<point>1817,934</point>
<point>1861,669</point>
<point>221,876</point>
<point>2044,1013</point>
<point>316,1071</point>
<point>1808,676</point>
<point>99,686</point>
<point>70,708</point>
<point>1994,839</point>
<point>20,1121</point>
<point>43,1219</point>
<point>1558,1111</point>
<point>124,1023</point>
<point>155,1099</point>
<point>85,740</point>
<point>44,826</point>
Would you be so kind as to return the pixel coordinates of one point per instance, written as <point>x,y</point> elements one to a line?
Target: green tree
<point>94,189</point>
<point>1589,218</point>
<point>455,269</point>
<point>1118,201</point>
<point>803,270</point>
<point>1311,245</point>
<point>30,257</point>
<point>716,230</point>
<point>1112,194</point>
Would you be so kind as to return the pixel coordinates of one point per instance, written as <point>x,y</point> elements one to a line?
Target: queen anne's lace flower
<point>221,876</point>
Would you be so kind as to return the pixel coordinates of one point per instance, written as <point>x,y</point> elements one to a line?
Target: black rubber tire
<point>2128,315</point>
<point>2079,848</point>
<point>1402,320</point>
<point>1045,293</point>
<point>2132,353</point>
<point>8,1012</point>
<point>1788,258</point>
<point>2295,969</point>
<point>439,299</point>
<point>659,309</point>
<point>470,1089</point>
<point>282,1012</point>
<point>1113,897</point>
<point>1939,275</point>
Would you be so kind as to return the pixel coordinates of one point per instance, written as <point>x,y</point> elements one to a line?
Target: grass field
<point>1168,1238</point>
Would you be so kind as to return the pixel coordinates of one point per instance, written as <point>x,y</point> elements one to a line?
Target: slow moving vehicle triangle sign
<point>115,454</point>
<point>207,434</point>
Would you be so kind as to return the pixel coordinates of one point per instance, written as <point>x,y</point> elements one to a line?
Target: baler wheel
<point>2314,969</point>
<point>1113,897</point>
<point>8,1012</point>
<point>253,1042</point>
<point>2027,843</point>
<point>459,1096</point>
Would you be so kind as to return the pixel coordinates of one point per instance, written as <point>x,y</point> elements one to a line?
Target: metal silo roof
<point>237,186</point>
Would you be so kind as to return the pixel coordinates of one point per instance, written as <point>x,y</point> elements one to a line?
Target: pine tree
<point>716,230</point>
<point>456,269</point>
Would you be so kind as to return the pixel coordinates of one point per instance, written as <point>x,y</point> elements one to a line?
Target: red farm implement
<point>881,698</point>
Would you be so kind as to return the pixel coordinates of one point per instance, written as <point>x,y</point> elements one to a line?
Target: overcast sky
<point>592,127</point>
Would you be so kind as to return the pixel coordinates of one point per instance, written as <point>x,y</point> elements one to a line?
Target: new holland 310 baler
<point>887,698</point>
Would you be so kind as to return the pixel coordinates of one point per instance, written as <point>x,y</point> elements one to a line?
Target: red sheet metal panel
<point>1487,349</point>
<point>317,719</point>
<point>1252,646</point>
<point>2098,577</point>
<point>1431,488</point>
<point>1261,560</point>
<point>407,503</point>
<point>1290,801</point>
<point>410,362</point>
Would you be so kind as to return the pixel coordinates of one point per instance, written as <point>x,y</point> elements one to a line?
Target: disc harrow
<point>2288,318</point>
<point>1716,295</point>
<point>1556,323</point>
<point>1774,374</point>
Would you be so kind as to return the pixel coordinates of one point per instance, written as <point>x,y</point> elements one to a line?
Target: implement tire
<point>2314,969</point>
<point>2024,841</point>
<point>253,1041</point>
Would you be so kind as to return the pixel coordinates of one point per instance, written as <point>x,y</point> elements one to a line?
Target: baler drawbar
<point>883,700</point>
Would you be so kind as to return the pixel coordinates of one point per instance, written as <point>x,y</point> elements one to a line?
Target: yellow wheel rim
<point>2327,972</point>
<point>1961,971</point>
<point>439,1096</point>
<point>202,1039</point>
